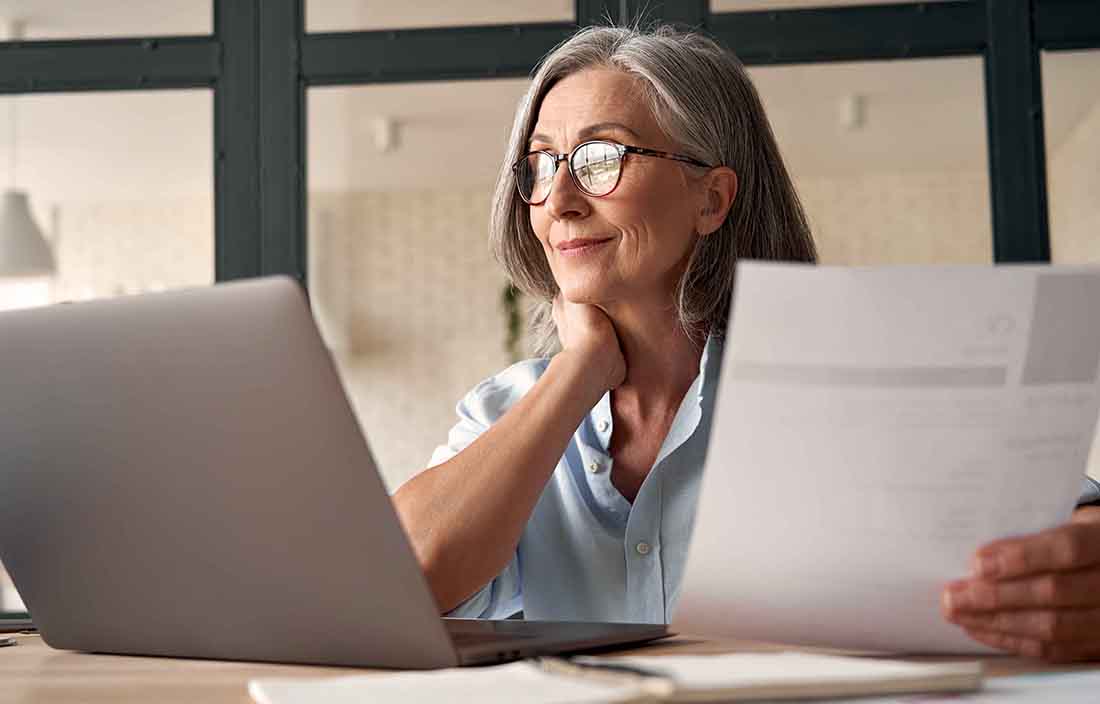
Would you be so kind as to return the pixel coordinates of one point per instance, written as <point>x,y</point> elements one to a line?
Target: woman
<point>640,167</point>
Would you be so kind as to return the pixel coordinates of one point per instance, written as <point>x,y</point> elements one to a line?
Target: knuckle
<point>1050,626</point>
<point>1048,589</point>
<point>987,596</point>
<point>1001,621</point>
<point>1017,558</point>
<point>1069,548</point>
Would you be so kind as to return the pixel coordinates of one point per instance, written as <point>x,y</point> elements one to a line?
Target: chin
<point>587,294</point>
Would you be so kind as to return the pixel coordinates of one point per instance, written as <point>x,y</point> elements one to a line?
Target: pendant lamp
<point>27,262</point>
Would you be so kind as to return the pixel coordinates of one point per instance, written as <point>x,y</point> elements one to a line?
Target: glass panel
<point>119,188</point>
<point>351,15</point>
<point>96,19</point>
<point>1071,116</point>
<point>888,157</point>
<point>745,5</point>
<point>403,285</point>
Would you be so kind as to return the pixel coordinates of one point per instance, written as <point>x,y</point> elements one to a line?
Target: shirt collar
<point>687,419</point>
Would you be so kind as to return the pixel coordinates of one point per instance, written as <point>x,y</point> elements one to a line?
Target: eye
<point>544,169</point>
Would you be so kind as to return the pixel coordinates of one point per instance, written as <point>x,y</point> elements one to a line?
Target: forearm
<point>465,517</point>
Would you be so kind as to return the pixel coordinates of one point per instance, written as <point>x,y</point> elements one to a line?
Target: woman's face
<point>629,246</point>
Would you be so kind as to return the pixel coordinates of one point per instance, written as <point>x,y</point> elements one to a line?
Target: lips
<point>581,243</point>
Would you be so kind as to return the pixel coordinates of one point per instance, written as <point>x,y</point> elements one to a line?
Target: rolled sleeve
<point>1090,493</point>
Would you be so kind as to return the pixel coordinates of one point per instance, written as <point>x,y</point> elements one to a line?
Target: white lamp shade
<point>24,251</point>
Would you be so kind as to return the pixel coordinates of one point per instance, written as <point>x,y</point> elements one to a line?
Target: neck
<point>661,360</point>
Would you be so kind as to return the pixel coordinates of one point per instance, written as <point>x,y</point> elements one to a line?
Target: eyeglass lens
<point>595,166</point>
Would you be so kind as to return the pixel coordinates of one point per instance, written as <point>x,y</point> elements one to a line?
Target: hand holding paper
<point>874,427</point>
<point>1036,595</point>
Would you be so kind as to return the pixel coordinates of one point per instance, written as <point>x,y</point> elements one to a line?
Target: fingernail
<point>956,596</point>
<point>986,566</point>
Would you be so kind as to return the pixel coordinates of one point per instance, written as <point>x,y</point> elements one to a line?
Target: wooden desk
<point>34,672</point>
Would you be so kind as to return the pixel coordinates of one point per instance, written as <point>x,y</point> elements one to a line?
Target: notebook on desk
<point>183,476</point>
<point>630,680</point>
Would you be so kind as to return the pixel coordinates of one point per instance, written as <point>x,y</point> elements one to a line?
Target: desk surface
<point>33,672</point>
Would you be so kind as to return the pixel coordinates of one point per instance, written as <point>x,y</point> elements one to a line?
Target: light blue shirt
<point>586,553</point>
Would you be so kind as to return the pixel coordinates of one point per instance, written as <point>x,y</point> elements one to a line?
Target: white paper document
<point>503,684</point>
<point>876,425</point>
<point>668,678</point>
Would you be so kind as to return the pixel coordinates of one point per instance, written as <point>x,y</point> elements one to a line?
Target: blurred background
<point>113,189</point>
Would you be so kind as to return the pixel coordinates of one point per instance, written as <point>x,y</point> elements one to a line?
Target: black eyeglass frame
<point>622,149</point>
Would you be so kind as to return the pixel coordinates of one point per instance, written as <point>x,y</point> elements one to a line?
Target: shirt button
<point>593,467</point>
<point>604,425</point>
<point>642,548</point>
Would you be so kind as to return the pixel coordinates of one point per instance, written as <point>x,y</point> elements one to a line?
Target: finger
<point>1086,514</point>
<point>1017,645</point>
<point>1047,625</point>
<point>1053,589</point>
<point>1068,547</point>
<point>1034,648</point>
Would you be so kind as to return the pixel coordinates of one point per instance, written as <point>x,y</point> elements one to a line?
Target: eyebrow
<point>588,132</point>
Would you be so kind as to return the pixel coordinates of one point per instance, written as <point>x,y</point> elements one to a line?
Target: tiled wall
<point>122,247</point>
<point>409,298</point>
<point>910,218</point>
<point>1073,175</point>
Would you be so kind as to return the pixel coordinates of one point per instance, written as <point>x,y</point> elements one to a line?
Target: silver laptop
<point>181,475</point>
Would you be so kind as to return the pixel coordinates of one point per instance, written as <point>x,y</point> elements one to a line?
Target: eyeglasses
<point>595,168</point>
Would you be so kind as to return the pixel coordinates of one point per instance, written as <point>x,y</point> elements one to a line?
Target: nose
<point>565,199</point>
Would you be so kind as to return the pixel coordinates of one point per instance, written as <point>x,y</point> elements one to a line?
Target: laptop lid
<point>182,476</point>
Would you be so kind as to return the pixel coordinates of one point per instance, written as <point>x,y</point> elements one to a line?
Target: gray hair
<point>703,100</point>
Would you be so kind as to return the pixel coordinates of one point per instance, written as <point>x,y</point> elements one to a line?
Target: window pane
<point>745,5</point>
<point>1071,116</point>
<point>402,282</point>
<point>889,158</point>
<point>119,188</point>
<point>351,15</point>
<point>86,19</point>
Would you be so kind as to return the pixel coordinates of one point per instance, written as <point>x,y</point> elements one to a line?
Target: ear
<point>719,188</point>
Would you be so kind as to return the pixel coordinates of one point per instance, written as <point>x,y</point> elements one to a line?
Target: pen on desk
<point>653,682</point>
<point>7,641</point>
